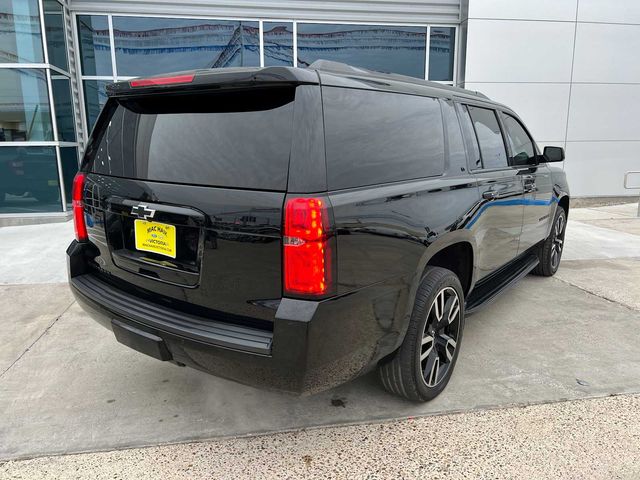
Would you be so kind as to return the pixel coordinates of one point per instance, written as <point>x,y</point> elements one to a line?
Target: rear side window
<point>470,137</point>
<point>379,137</point>
<point>487,128</point>
<point>519,140</point>
<point>240,139</point>
<point>457,154</point>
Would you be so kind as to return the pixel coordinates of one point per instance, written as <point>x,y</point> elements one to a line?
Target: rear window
<point>236,139</point>
<point>378,137</point>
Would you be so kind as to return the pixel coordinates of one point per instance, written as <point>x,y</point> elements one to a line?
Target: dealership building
<point>570,68</point>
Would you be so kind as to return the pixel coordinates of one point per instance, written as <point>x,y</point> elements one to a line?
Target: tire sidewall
<point>559,213</point>
<point>419,320</point>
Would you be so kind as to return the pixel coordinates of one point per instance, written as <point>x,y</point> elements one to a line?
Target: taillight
<point>149,82</point>
<point>307,247</point>
<point>78,207</point>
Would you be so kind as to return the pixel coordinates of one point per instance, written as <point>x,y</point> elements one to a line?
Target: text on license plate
<point>155,237</point>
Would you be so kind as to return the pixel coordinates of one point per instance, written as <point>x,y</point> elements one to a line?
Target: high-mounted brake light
<point>149,82</point>
<point>307,250</point>
<point>79,223</point>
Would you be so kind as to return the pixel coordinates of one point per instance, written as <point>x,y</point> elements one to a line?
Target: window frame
<point>425,27</point>
<point>51,72</point>
<point>115,77</point>
<point>472,168</point>
<point>501,114</point>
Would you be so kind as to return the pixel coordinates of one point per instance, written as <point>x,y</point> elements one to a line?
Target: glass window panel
<point>149,46</point>
<point>29,180</point>
<point>63,102</point>
<point>56,38</point>
<point>376,47</point>
<point>278,44</point>
<point>519,140</point>
<point>20,35</point>
<point>457,153</point>
<point>489,135</point>
<point>412,146</point>
<point>442,43</point>
<point>470,137</point>
<point>95,50</point>
<point>69,162</point>
<point>95,96</point>
<point>173,140</point>
<point>24,106</point>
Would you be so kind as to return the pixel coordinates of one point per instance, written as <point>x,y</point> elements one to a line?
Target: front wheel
<point>550,251</point>
<point>422,366</point>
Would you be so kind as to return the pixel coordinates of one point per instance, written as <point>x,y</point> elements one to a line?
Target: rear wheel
<point>422,366</point>
<point>550,251</point>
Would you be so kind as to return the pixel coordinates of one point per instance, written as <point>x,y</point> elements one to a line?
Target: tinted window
<point>20,37</point>
<point>457,154</point>
<point>278,43</point>
<point>489,136</point>
<point>63,102</point>
<point>522,149</point>
<point>24,106</point>
<point>235,139</point>
<point>376,47</point>
<point>95,96</point>
<point>149,46</point>
<point>95,48</point>
<point>29,180</point>
<point>470,137</point>
<point>377,137</point>
<point>69,163</point>
<point>56,38</point>
<point>442,42</point>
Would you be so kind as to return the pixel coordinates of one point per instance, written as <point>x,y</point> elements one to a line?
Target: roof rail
<point>338,67</point>
<point>346,69</point>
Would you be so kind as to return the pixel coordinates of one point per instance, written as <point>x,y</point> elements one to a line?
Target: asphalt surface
<point>66,386</point>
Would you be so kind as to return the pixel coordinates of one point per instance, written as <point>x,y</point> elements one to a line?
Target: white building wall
<point>571,69</point>
<point>338,11</point>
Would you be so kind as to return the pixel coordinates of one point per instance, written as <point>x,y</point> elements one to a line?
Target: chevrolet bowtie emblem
<point>142,211</point>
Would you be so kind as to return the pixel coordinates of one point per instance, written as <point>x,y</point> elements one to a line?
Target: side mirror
<point>553,154</point>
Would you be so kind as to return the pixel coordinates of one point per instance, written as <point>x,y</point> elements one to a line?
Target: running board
<point>489,289</point>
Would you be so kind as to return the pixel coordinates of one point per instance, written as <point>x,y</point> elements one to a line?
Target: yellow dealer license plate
<point>155,237</point>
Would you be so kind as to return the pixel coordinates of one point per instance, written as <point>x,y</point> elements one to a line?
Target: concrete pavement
<point>67,386</point>
<point>595,439</point>
<point>34,253</point>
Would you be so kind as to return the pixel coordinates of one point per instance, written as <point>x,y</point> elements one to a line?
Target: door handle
<point>529,183</point>
<point>490,195</point>
<point>529,186</point>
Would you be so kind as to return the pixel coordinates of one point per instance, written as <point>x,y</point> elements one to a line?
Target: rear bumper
<point>313,345</point>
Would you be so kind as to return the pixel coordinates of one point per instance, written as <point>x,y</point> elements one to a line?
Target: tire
<point>410,372</point>
<point>550,251</point>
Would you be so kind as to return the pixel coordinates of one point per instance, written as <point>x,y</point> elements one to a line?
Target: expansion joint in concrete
<point>44,332</point>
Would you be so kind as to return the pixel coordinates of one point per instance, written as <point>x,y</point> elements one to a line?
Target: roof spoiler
<point>214,79</point>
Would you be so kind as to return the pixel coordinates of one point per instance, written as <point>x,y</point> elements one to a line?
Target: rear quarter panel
<point>560,189</point>
<point>385,237</point>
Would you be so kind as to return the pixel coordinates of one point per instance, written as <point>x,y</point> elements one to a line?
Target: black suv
<point>294,228</point>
